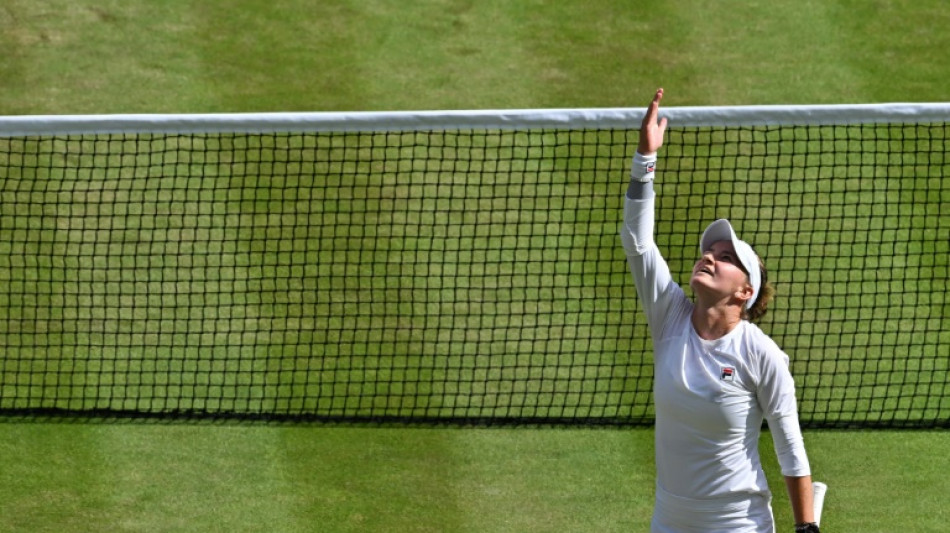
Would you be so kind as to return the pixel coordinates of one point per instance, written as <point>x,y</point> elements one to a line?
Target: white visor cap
<point>721,230</point>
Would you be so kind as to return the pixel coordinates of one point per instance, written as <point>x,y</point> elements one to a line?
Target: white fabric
<point>638,238</point>
<point>504,119</point>
<point>643,166</point>
<point>742,513</point>
<point>711,398</point>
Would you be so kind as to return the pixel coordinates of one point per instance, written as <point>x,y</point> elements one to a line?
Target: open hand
<point>651,131</point>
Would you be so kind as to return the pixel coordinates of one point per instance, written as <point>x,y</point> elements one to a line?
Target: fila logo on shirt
<point>728,373</point>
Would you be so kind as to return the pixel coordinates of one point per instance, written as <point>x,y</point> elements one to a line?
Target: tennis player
<point>717,375</point>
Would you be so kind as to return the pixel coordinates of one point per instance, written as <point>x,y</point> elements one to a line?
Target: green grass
<point>125,57</point>
<point>112,56</point>
<point>120,477</point>
<point>200,478</point>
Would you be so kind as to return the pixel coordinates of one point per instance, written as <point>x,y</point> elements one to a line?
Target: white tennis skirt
<point>746,513</point>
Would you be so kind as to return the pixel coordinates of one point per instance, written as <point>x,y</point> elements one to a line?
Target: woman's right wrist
<point>643,166</point>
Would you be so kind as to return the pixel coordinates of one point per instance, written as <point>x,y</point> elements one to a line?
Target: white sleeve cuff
<point>643,167</point>
<point>789,446</point>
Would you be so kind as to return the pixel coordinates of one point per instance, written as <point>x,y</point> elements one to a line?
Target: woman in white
<point>717,376</point>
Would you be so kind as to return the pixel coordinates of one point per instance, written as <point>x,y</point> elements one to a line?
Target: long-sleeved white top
<point>711,396</point>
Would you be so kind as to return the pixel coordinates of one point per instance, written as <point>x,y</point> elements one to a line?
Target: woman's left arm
<point>777,398</point>
<point>801,494</point>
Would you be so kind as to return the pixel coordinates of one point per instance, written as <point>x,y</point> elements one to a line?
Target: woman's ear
<point>744,294</point>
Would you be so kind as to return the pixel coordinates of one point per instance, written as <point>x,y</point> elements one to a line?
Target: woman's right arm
<point>656,289</point>
<point>638,205</point>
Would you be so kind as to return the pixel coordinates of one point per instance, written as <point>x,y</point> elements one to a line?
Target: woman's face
<point>719,273</point>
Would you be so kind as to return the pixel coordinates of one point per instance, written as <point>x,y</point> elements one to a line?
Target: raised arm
<point>655,286</point>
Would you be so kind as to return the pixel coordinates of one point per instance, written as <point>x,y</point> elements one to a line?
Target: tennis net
<point>456,267</point>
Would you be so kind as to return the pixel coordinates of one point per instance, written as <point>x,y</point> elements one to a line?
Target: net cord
<point>593,118</point>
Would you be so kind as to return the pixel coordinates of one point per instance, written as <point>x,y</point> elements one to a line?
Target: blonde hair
<point>761,304</point>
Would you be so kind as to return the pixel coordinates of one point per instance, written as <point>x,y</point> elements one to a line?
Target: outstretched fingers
<point>654,108</point>
<point>651,130</point>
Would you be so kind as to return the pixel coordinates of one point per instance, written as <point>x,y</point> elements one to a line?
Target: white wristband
<point>643,167</point>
